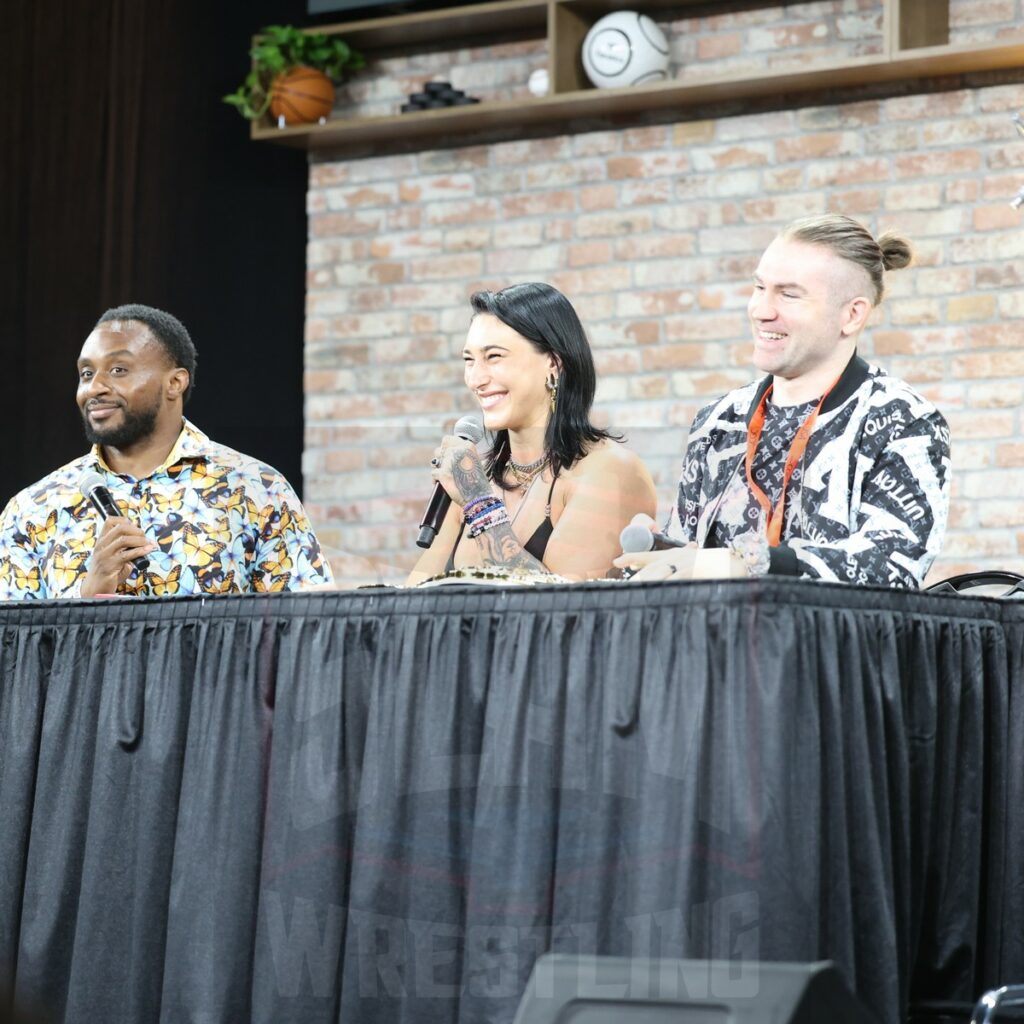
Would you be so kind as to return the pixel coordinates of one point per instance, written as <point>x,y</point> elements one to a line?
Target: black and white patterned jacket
<point>872,498</point>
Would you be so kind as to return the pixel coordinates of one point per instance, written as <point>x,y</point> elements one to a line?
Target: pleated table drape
<point>382,806</point>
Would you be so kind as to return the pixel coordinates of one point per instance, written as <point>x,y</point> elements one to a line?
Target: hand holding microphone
<point>468,429</point>
<point>641,535</point>
<point>654,556</point>
<point>120,547</point>
<point>651,555</point>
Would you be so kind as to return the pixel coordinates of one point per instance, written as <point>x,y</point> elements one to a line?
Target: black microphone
<point>637,537</point>
<point>93,487</point>
<point>469,429</point>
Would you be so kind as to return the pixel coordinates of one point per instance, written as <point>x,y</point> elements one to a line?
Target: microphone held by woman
<point>469,428</point>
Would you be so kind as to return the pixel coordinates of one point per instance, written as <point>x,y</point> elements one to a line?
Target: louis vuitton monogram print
<point>867,503</point>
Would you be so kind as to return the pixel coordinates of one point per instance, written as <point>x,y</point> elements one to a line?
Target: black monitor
<point>617,990</point>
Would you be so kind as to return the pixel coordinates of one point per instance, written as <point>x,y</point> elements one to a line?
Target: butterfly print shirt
<point>867,503</point>
<point>223,523</point>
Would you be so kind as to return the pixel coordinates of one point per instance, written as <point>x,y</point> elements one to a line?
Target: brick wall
<point>653,233</point>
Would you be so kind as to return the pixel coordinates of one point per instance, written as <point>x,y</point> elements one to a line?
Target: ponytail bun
<point>851,241</point>
<point>897,252</point>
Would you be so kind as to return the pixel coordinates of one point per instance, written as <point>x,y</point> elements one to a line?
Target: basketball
<point>301,95</point>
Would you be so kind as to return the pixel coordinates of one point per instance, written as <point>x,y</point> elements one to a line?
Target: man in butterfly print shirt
<point>209,519</point>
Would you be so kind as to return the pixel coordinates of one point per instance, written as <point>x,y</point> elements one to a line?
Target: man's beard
<point>135,426</point>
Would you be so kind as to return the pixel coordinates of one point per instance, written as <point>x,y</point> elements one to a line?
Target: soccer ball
<point>625,48</point>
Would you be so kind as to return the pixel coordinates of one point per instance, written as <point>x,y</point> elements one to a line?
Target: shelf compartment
<point>916,24</point>
<point>500,21</point>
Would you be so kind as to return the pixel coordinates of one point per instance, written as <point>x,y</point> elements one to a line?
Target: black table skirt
<point>382,806</point>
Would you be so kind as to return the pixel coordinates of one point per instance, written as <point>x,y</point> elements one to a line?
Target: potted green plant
<point>293,74</point>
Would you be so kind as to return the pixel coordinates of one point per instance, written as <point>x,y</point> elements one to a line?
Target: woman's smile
<point>489,399</point>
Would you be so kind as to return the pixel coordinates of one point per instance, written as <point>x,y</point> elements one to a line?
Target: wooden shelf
<point>915,47</point>
<point>501,19</point>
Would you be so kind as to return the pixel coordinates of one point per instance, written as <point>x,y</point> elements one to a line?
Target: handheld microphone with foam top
<point>637,537</point>
<point>469,428</point>
<point>93,487</point>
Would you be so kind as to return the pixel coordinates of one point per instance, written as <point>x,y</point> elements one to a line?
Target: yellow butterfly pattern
<point>199,550</point>
<point>41,534</point>
<point>65,567</point>
<point>29,580</point>
<point>239,501</point>
<point>218,582</point>
<point>271,586</point>
<point>281,562</point>
<point>222,522</point>
<point>134,586</point>
<point>84,542</point>
<point>169,502</point>
<point>159,586</point>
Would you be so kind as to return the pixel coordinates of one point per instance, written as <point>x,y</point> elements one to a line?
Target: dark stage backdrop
<point>125,179</point>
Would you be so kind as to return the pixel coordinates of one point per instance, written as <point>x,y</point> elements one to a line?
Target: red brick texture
<point>653,234</point>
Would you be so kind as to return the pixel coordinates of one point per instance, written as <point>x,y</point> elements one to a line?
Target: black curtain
<point>125,179</point>
<point>383,806</point>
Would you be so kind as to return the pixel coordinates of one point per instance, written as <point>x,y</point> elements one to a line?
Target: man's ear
<point>856,316</point>
<point>177,383</point>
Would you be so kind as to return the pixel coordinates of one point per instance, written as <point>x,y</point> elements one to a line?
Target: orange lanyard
<point>796,453</point>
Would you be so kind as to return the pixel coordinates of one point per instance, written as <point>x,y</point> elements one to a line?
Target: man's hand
<point>689,563</point>
<point>120,541</point>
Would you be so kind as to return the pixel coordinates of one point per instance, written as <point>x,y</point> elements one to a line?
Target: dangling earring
<point>552,385</point>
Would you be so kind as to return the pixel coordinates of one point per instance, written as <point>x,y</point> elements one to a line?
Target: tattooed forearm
<point>500,546</point>
<point>469,475</point>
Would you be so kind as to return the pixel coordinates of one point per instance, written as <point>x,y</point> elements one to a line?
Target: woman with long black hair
<point>554,491</point>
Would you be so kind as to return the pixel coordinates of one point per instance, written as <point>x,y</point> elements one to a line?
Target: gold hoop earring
<point>552,385</point>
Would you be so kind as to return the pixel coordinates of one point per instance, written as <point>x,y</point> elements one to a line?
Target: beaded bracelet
<point>496,517</point>
<point>474,504</point>
<point>479,507</point>
<point>485,522</point>
<point>488,510</point>
<point>484,509</point>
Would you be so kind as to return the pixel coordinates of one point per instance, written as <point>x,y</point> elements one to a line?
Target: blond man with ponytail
<point>827,467</point>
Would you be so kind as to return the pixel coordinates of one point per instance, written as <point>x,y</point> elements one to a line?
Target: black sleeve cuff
<point>782,561</point>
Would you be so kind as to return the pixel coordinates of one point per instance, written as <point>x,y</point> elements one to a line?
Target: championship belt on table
<point>495,575</point>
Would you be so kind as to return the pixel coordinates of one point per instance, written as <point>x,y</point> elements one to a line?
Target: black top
<point>536,545</point>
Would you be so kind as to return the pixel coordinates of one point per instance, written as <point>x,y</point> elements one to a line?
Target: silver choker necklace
<point>526,473</point>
